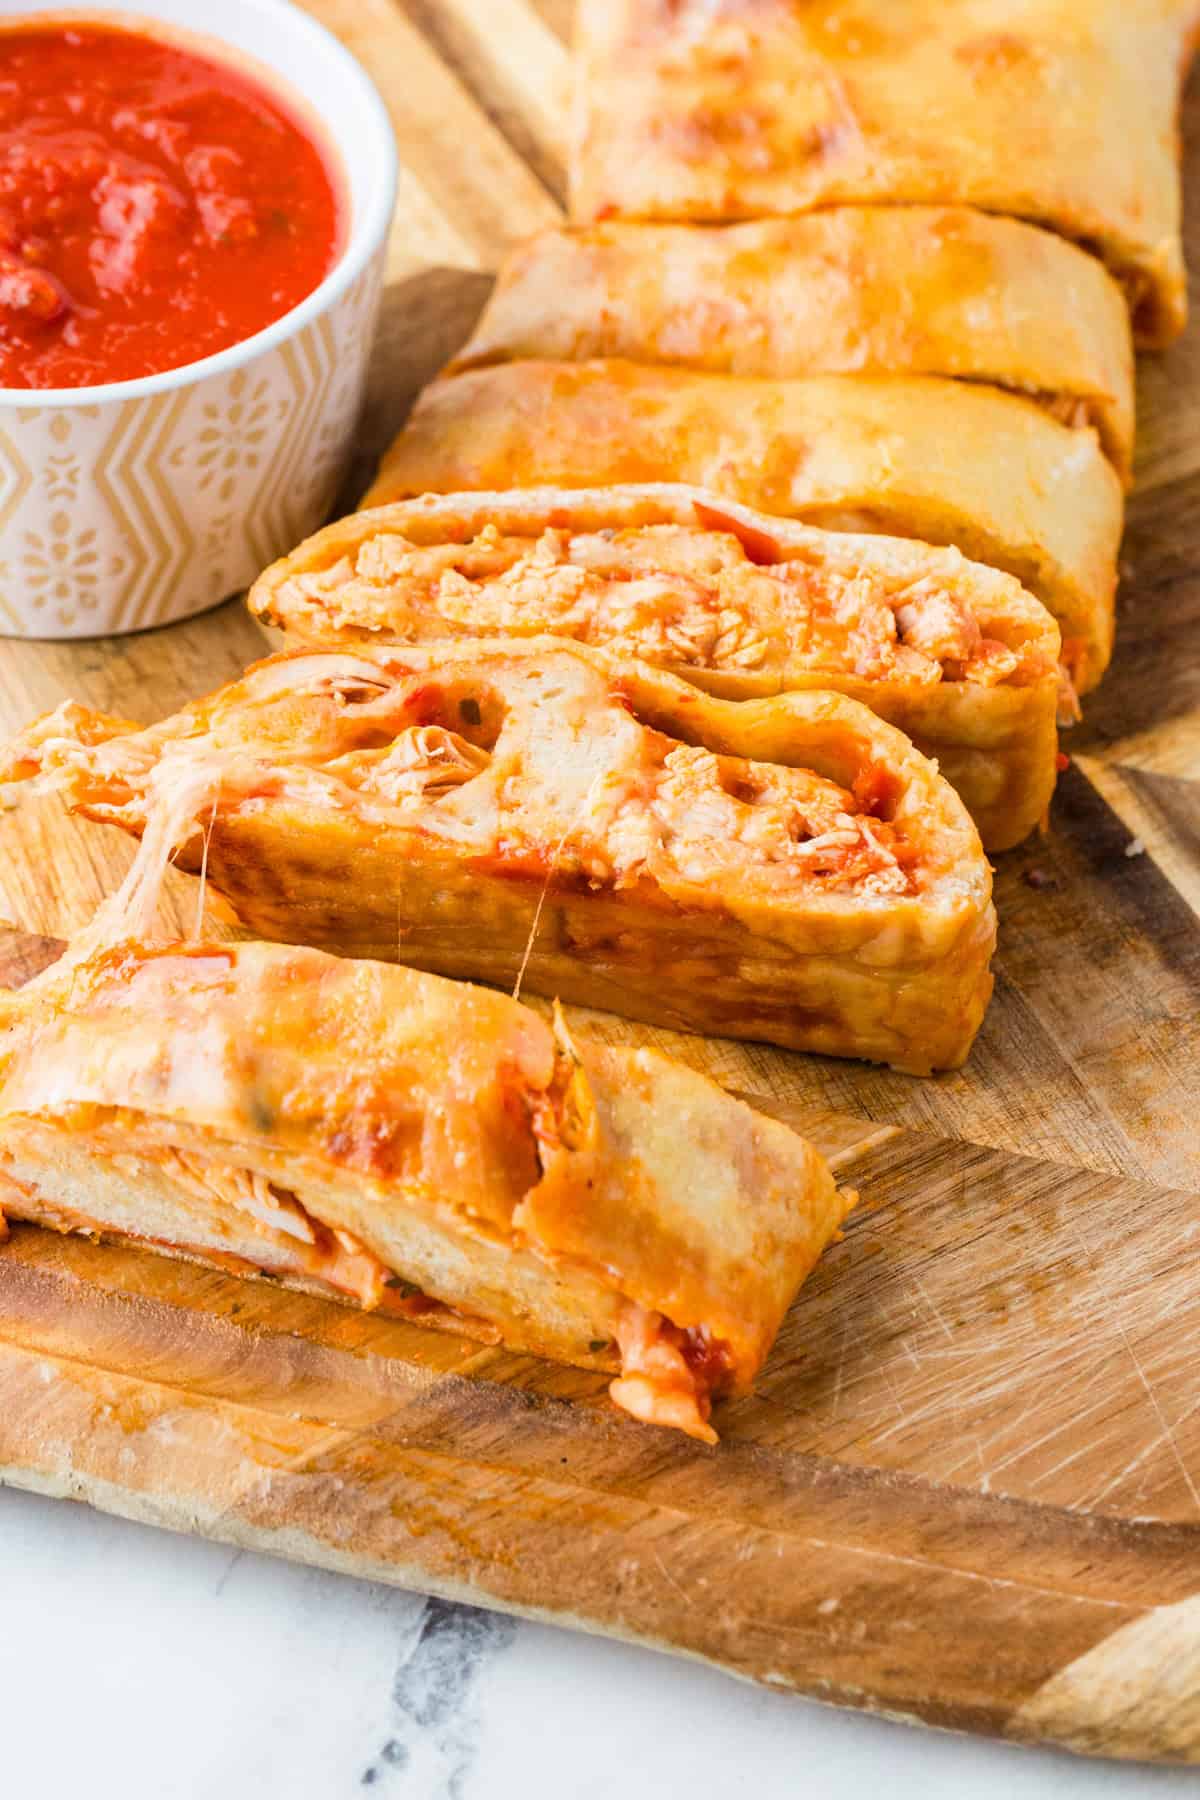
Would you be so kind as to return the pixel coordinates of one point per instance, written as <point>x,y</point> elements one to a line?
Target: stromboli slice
<point>407,1143</point>
<point>788,869</point>
<point>948,462</point>
<point>1060,111</point>
<point>956,655</point>
<point>873,290</point>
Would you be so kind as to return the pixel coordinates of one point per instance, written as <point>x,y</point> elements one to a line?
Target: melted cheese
<point>572,779</point>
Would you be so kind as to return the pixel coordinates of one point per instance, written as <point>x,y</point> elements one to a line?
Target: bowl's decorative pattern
<point>134,512</point>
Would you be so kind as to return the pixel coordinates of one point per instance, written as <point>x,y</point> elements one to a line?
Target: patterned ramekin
<point>146,501</point>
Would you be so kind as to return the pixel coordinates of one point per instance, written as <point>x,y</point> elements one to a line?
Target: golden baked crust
<point>788,869</point>
<point>1063,112</point>
<point>416,1144</point>
<point>958,656</point>
<point>857,290</point>
<point>949,462</point>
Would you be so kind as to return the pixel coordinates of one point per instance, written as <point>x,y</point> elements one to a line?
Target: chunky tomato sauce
<point>155,206</point>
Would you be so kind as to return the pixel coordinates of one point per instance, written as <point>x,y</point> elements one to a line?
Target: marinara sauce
<point>155,205</point>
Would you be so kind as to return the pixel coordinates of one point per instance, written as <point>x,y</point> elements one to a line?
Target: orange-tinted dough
<point>872,290</point>
<point>1063,112</point>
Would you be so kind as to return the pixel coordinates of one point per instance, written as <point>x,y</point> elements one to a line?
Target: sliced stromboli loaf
<point>790,869</point>
<point>958,656</point>
<point>428,1148</point>
<point>1063,112</point>
<point>947,462</point>
<point>873,290</point>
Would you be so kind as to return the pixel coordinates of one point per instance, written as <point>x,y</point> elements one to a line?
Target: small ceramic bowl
<point>144,501</point>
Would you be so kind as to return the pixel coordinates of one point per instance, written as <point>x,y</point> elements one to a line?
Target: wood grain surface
<point>968,1489</point>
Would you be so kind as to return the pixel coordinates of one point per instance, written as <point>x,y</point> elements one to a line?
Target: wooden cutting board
<point>968,1489</point>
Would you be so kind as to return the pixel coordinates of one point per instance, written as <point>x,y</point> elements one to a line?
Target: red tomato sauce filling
<point>155,206</point>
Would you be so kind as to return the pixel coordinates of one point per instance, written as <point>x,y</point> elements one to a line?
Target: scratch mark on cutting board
<point>841,1369</point>
<point>667,1576</point>
<point>929,1301</point>
<point>1169,1434</point>
<point>1142,1456</point>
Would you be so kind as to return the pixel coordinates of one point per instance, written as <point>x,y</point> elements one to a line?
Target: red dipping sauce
<point>155,205</point>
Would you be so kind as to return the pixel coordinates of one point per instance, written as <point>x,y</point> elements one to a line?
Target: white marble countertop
<point>139,1666</point>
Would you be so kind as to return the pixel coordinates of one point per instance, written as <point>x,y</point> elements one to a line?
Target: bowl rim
<point>366,236</point>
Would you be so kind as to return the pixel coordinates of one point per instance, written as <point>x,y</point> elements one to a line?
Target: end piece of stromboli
<point>418,1146</point>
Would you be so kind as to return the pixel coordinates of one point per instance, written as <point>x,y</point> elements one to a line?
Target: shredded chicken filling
<point>571,782</point>
<point>327,1252</point>
<point>659,1382</point>
<point>674,594</point>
